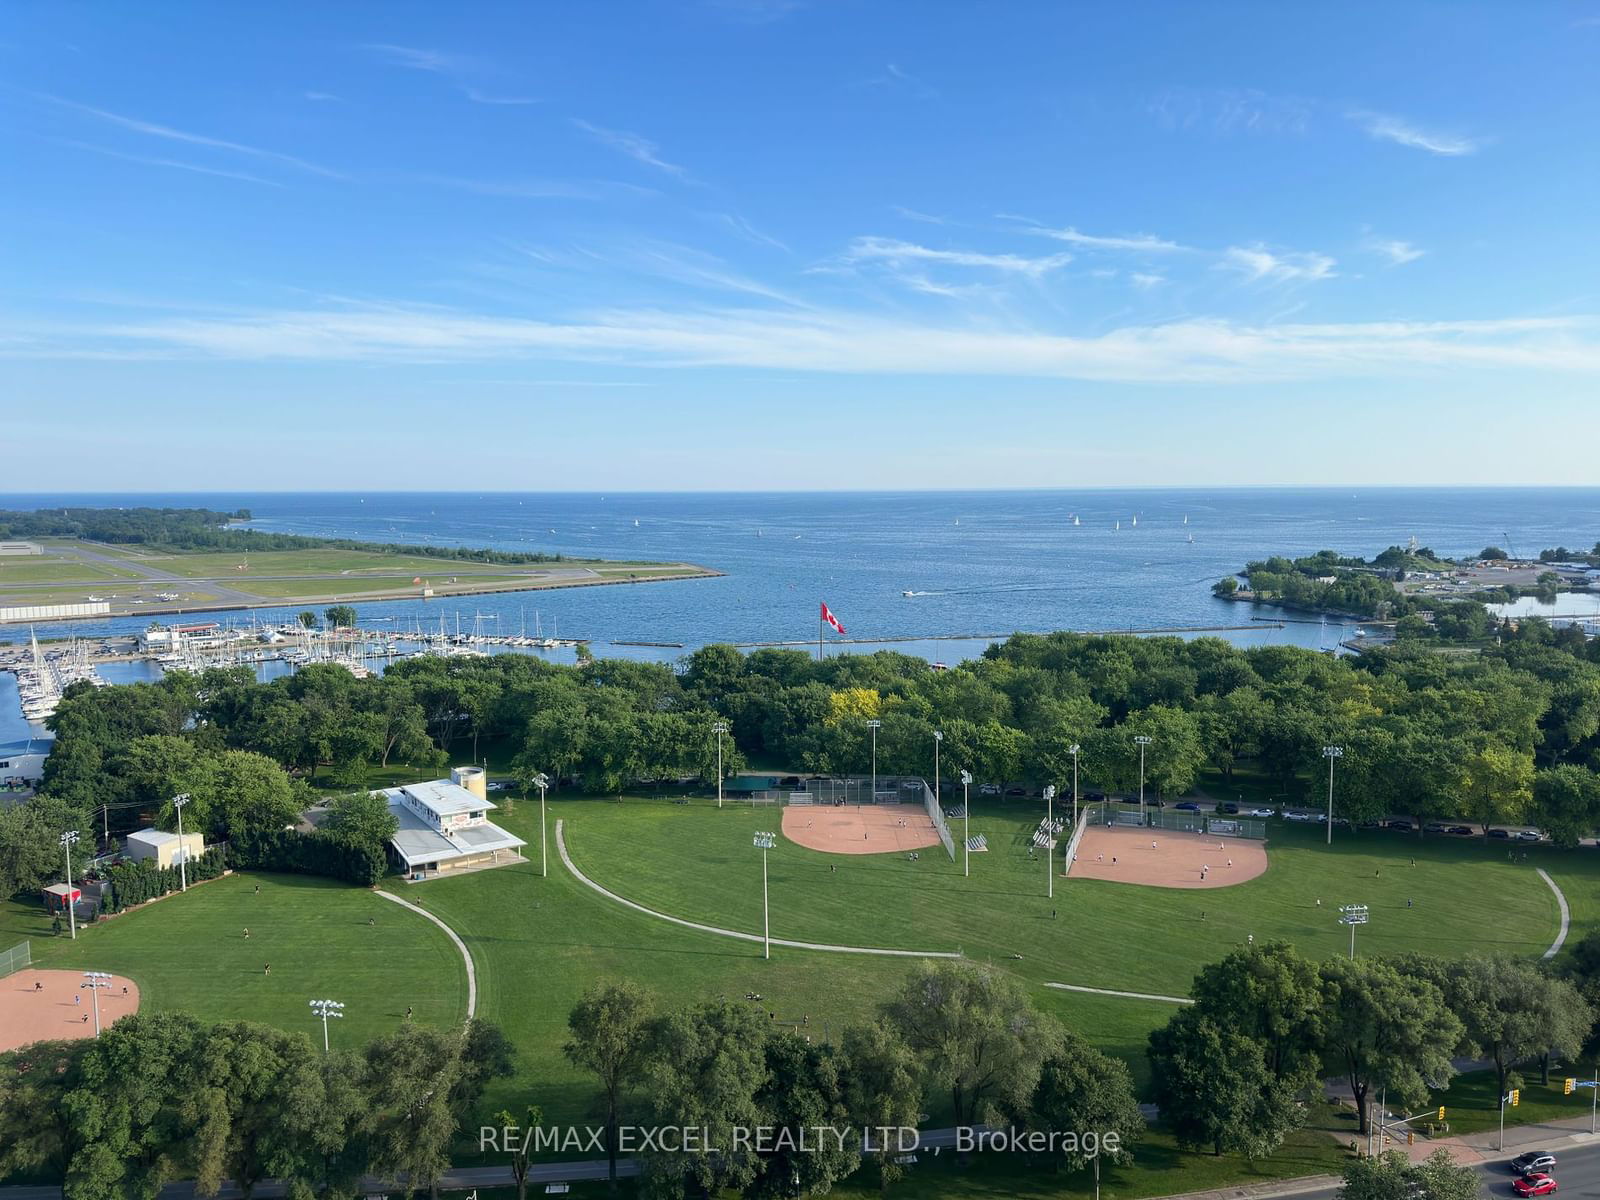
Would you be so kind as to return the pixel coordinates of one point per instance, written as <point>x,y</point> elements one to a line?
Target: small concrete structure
<point>10,549</point>
<point>164,849</point>
<point>444,826</point>
<point>58,896</point>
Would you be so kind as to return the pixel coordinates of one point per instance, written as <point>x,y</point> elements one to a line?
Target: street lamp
<point>764,842</point>
<point>69,839</point>
<point>326,1009</point>
<point>1353,915</point>
<point>95,981</point>
<point>1050,840</point>
<point>874,725</point>
<point>966,824</point>
<point>1330,753</point>
<point>1073,750</point>
<point>1141,741</point>
<point>719,728</point>
<point>938,738</point>
<point>178,802</point>
<point>542,781</point>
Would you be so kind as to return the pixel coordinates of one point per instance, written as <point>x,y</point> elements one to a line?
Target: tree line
<point>163,1096</point>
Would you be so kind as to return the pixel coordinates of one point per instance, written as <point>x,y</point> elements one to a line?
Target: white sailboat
<point>1075,519</point>
<point>1136,522</point>
<point>1118,525</point>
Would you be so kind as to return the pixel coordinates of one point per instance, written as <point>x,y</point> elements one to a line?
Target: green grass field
<point>538,943</point>
<point>189,952</point>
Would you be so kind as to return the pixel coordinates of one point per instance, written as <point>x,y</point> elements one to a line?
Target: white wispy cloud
<point>1143,242</point>
<point>320,97</point>
<point>1230,111</point>
<point>1193,351</point>
<point>169,133</point>
<point>544,189</point>
<point>912,214</point>
<point>1402,132</point>
<point>415,58</point>
<point>896,252</point>
<point>175,164</point>
<point>1257,263</point>
<point>1396,251</point>
<point>747,231</point>
<point>1146,281</point>
<point>479,96</point>
<point>638,148</point>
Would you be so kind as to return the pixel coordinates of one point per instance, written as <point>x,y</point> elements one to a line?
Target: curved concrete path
<point>561,849</point>
<point>1073,987</point>
<point>466,956</point>
<point>1566,915</point>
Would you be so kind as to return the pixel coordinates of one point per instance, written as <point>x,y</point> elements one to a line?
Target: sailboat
<point>1191,539</point>
<point>1185,518</point>
<point>1118,525</point>
<point>1075,520</point>
<point>1136,522</point>
<point>636,522</point>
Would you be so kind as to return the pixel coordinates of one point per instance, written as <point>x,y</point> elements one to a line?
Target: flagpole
<point>819,631</point>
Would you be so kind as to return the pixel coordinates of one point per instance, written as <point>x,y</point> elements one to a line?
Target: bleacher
<point>956,813</point>
<point>1046,834</point>
<point>977,842</point>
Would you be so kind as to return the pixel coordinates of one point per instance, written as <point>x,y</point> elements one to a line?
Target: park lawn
<point>188,951</point>
<point>1471,1103</point>
<point>353,585</point>
<point>43,570</point>
<point>696,861</point>
<point>313,562</point>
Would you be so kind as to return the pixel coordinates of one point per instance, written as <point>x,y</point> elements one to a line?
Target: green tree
<point>1081,1090</point>
<point>531,1119</point>
<point>1272,994</point>
<point>1392,1176</point>
<point>362,817</point>
<point>608,1027</point>
<point>976,1035</point>
<point>1381,1028</point>
<point>307,619</point>
<point>339,616</point>
<point>802,1094</point>
<point>882,1091</point>
<point>1566,803</point>
<point>1215,1089</point>
<point>36,1137</point>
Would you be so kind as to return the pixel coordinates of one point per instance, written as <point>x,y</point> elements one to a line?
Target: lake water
<point>979,563</point>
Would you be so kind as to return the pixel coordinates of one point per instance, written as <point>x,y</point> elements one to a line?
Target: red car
<point>1537,1184</point>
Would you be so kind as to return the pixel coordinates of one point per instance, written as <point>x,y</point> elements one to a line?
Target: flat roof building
<point>445,826</point>
<point>162,848</point>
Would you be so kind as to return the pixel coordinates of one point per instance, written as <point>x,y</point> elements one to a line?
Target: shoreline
<point>439,592</point>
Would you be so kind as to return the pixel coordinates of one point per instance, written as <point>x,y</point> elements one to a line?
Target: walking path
<point>1073,987</point>
<point>561,848</point>
<point>466,956</point>
<point>1566,915</point>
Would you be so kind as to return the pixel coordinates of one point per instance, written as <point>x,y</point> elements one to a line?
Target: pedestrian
<point>372,920</point>
<point>1408,901</point>
<point>85,1018</point>
<point>1099,858</point>
<point>258,889</point>
<point>1113,860</point>
<point>1202,914</point>
<point>408,1012</point>
<point>1376,873</point>
<point>266,968</point>
<point>1319,901</point>
<point>1230,862</point>
<point>247,933</point>
<point>1413,862</point>
<point>1052,914</point>
<point>78,998</point>
<point>1152,845</point>
<point>37,986</point>
<point>124,989</point>
<point>1250,939</point>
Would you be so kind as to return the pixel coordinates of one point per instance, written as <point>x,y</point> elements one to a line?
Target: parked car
<point>1529,835</point>
<point>1256,812</point>
<point>1187,806</point>
<point>1534,1162</point>
<point>1537,1184</point>
<point>1016,791</point>
<point>1434,827</point>
<point>1501,834</point>
<point>1300,816</point>
<point>1400,825</point>
<point>1371,825</point>
<point>789,781</point>
<point>1230,807</point>
<point>1460,830</point>
<point>989,789</point>
<point>1093,797</point>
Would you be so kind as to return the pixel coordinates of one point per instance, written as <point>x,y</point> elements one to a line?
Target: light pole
<point>1141,741</point>
<point>94,981</point>
<point>542,781</point>
<point>178,802</point>
<point>1353,915</point>
<point>69,839</point>
<point>874,725</point>
<point>1050,840</point>
<point>1073,750</point>
<point>326,1009</point>
<point>1330,753</point>
<point>764,842</point>
<point>966,824</point>
<point>719,728</point>
<point>937,739</point>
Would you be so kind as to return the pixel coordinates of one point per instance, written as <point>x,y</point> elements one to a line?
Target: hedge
<point>311,854</point>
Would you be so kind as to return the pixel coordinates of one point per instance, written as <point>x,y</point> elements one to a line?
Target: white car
<point>1302,816</point>
<point>1528,835</point>
<point>989,789</point>
<point>1257,812</point>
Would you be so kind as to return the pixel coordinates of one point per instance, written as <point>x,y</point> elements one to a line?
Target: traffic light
<point>1566,1088</point>
<point>1516,1097</point>
<point>1441,1112</point>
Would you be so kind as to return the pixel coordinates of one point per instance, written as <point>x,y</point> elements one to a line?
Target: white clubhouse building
<point>445,826</point>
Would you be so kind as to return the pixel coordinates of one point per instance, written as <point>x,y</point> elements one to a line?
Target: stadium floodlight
<point>719,728</point>
<point>1141,741</point>
<point>1049,841</point>
<point>874,725</point>
<point>95,981</point>
<point>178,802</point>
<point>326,1009</point>
<point>69,839</point>
<point>542,781</point>
<point>1330,753</point>
<point>938,740</point>
<point>1353,915</point>
<point>966,824</point>
<point>763,842</point>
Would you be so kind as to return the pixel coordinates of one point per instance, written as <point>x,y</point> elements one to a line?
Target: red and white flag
<point>832,620</point>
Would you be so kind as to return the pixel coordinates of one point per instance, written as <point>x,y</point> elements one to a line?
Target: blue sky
<point>779,243</point>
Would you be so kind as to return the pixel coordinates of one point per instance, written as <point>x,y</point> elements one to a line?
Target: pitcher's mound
<point>37,1006</point>
<point>859,829</point>
<point>1164,858</point>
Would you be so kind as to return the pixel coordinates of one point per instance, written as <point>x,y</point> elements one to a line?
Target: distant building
<point>58,896</point>
<point>164,849</point>
<point>172,638</point>
<point>23,762</point>
<point>7,549</point>
<point>445,826</point>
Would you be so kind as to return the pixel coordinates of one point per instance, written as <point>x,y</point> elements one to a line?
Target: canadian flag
<point>832,620</point>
